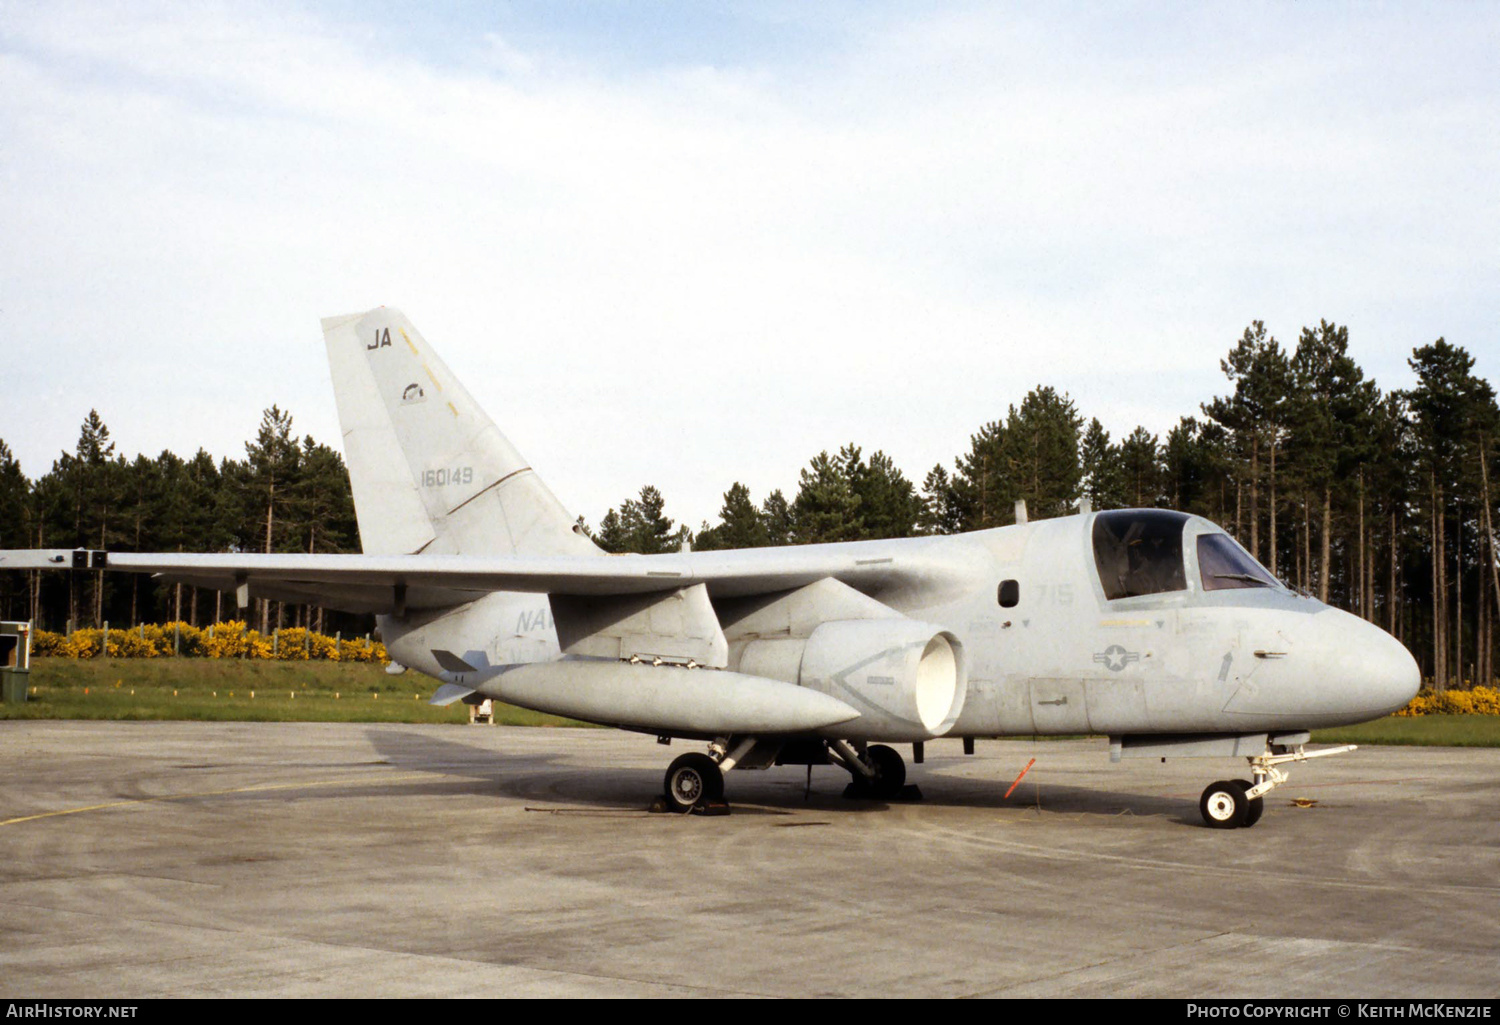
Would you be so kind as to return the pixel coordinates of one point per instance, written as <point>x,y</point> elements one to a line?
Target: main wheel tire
<point>691,780</point>
<point>890,772</point>
<point>1223,804</point>
<point>1254,807</point>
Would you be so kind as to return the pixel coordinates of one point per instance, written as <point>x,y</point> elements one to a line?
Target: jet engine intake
<point>906,678</point>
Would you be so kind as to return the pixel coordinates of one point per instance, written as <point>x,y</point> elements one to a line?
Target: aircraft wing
<point>393,583</point>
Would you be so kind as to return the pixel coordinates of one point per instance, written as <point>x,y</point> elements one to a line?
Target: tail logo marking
<point>382,339</point>
<point>412,394</point>
<point>444,477</point>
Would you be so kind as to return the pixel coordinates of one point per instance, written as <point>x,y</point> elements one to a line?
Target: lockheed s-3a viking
<point>1152,627</point>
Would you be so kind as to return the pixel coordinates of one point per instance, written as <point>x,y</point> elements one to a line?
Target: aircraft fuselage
<point>1060,656</point>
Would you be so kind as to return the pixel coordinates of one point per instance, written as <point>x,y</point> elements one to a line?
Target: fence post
<point>104,641</point>
<point>176,640</point>
<point>275,642</point>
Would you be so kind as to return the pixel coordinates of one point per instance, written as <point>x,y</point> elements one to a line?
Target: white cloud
<point>684,274</point>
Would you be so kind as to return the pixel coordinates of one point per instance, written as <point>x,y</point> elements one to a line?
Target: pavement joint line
<point>273,939</point>
<point>1130,955</point>
<point>1181,866</point>
<point>259,787</point>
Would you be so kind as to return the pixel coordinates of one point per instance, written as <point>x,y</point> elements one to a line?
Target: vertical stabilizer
<point>430,471</point>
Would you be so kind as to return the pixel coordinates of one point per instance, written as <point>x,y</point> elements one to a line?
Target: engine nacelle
<point>907,679</point>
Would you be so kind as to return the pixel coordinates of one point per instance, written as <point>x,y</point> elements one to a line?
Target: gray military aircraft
<point>1152,627</point>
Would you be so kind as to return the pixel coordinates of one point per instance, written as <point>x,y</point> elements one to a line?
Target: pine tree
<point>776,514</point>
<point>1451,412</point>
<point>1042,440</point>
<point>269,478</point>
<point>1099,464</point>
<point>984,487</point>
<point>15,523</point>
<point>640,526</point>
<point>940,513</point>
<point>1140,469</point>
<point>826,508</point>
<point>740,522</point>
<point>1259,370</point>
<point>888,504</point>
<point>612,537</point>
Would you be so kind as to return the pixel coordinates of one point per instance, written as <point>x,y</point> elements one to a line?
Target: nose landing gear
<point>1231,803</point>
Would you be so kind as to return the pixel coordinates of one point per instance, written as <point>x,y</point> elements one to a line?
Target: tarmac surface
<point>244,859</point>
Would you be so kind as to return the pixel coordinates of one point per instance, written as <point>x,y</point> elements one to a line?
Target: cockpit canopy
<point>1222,563</point>
<point>1140,551</point>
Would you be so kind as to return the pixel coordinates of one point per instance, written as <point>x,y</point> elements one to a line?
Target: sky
<point>685,244</point>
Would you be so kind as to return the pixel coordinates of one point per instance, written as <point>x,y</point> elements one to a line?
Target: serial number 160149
<point>443,477</point>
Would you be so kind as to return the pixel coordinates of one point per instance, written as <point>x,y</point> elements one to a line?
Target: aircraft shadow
<point>784,788</point>
<point>546,777</point>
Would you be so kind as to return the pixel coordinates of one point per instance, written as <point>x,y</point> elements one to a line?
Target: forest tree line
<point>286,495</point>
<point>1379,502</point>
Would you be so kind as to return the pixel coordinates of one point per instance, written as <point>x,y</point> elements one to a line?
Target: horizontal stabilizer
<point>451,662</point>
<point>449,693</point>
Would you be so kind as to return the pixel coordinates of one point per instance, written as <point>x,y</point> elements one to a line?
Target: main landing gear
<point>695,782</point>
<point>879,771</point>
<point>693,779</point>
<point>1232,803</point>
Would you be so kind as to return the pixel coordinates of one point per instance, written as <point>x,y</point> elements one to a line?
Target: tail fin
<point>430,471</point>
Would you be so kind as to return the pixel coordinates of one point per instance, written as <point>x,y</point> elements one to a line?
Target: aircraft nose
<point>1396,677</point>
<point>1385,675</point>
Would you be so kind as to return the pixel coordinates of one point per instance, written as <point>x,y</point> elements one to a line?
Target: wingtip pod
<point>37,558</point>
<point>669,699</point>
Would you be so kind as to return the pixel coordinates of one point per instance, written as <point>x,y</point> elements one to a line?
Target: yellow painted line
<point>454,408</point>
<point>215,793</point>
<point>1124,622</point>
<point>409,344</point>
<point>431,377</point>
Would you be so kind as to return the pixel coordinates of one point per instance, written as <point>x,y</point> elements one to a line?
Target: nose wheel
<point>1232,803</point>
<point>1226,804</point>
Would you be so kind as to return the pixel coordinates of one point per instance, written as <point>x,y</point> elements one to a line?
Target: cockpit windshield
<point>1139,551</point>
<point>1225,564</point>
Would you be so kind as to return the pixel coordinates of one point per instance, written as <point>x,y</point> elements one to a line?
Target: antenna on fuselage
<point>1020,511</point>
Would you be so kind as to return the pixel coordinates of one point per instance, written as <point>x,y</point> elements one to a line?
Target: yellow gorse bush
<point>1475,701</point>
<point>233,639</point>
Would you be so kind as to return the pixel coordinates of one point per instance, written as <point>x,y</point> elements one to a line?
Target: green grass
<point>1424,730</point>
<point>220,690</point>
